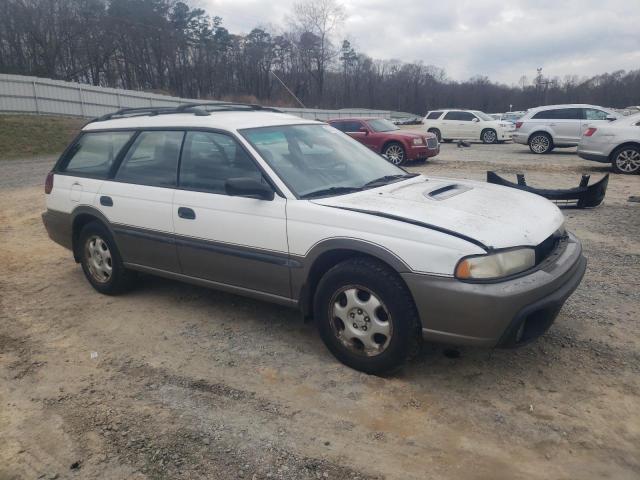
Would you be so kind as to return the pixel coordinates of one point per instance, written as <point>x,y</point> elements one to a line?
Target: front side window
<point>210,159</point>
<point>312,159</point>
<point>483,116</point>
<point>94,153</point>
<point>382,125</point>
<point>595,114</point>
<point>352,127</point>
<point>338,125</point>
<point>434,115</point>
<point>152,159</point>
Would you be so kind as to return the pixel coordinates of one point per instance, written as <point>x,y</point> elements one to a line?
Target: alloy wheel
<point>395,154</point>
<point>98,259</point>
<point>540,144</point>
<point>489,136</point>
<point>360,320</point>
<point>628,161</point>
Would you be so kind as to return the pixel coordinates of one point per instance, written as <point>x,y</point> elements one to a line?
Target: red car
<point>382,136</point>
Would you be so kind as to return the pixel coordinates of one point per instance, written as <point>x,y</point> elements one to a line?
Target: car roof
<point>223,120</point>
<point>566,105</point>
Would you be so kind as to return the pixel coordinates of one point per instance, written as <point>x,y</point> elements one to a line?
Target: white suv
<point>545,128</point>
<point>450,125</point>
<point>293,211</point>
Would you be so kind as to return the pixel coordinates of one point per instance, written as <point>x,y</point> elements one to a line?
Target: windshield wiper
<point>331,191</point>
<point>378,182</point>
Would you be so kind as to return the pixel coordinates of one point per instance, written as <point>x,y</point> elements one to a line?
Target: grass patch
<point>24,136</point>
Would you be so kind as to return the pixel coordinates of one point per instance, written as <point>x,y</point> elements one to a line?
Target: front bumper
<point>421,151</point>
<point>506,313</point>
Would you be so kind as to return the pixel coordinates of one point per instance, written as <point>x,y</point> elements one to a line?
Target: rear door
<point>450,125</point>
<point>138,200</point>
<point>232,240</point>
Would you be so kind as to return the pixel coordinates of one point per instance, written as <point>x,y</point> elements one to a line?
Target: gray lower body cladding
<point>451,311</point>
<point>496,314</point>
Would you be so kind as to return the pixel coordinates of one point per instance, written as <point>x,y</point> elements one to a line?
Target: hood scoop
<point>448,191</point>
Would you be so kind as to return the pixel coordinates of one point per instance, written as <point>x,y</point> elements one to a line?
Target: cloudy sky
<point>500,39</point>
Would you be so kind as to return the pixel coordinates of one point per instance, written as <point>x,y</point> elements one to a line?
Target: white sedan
<point>617,142</point>
<point>450,125</point>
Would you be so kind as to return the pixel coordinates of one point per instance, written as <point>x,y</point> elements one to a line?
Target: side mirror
<point>611,118</point>
<point>248,187</point>
<point>363,130</point>
<point>475,120</point>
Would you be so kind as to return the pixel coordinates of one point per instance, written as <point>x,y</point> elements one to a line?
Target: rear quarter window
<point>94,153</point>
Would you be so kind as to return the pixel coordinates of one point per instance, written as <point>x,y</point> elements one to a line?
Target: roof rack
<point>199,109</point>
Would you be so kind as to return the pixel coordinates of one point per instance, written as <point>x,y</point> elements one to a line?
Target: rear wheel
<point>626,160</point>
<point>366,316</point>
<point>101,261</point>
<point>540,143</point>
<point>489,136</point>
<point>395,153</point>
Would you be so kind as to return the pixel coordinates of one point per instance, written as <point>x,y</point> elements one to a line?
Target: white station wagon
<point>259,203</point>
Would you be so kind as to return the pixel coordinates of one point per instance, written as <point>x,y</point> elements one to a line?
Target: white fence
<point>20,94</point>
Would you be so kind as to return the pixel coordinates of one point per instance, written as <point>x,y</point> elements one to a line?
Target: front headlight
<point>495,265</point>
<point>418,141</point>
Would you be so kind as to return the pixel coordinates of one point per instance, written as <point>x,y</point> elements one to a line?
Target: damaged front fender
<point>582,196</point>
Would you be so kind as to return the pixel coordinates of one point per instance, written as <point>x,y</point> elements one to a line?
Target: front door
<point>227,239</point>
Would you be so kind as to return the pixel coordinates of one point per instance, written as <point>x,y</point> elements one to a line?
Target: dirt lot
<point>173,381</point>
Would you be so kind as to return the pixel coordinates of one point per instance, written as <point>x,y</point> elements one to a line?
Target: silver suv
<point>545,128</point>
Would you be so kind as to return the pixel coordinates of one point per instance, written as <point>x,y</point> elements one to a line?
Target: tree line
<point>168,47</point>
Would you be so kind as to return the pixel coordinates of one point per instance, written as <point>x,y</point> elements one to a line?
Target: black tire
<point>395,153</point>
<point>626,160</point>
<point>94,235</point>
<point>540,143</point>
<point>489,135</point>
<point>437,133</point>
<point>372,275</point>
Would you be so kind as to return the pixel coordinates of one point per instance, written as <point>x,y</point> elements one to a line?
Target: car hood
<point>497,217</point>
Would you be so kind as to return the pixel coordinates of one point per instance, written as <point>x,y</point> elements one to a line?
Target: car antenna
<point>287,89</point>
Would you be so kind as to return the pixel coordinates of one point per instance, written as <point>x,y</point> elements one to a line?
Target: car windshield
<point>482,116</point>
<point>381,125</point>
<point>318,160</point>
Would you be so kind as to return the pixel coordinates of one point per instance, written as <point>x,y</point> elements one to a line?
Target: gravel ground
<point>173,381</point>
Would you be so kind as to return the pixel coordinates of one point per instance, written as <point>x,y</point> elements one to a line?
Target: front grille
<point>432,142</point>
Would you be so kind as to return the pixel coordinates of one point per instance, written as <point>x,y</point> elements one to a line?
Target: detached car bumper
<point>506,313</point>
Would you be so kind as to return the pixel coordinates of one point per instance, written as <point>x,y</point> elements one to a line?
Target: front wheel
<point>489,136</point>
<point>395,153</point>
<point>366,316</point>
<point>437,133</point>
<point>626,160</point>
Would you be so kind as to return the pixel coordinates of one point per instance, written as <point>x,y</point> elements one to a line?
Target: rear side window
<point>434,115</point>
<point>94,153</point>
<point>559,114</point>
<point>210,159</point>
<point>595,114</point>
<point>152,159</point>
<point>458,115</point>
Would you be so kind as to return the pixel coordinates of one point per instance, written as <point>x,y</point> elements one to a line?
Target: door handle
<point>186,213</point>
<point>106,201</point>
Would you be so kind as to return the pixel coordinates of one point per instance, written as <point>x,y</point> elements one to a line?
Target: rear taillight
<point>590,131</point>
<point>519,124</point>
<point>48,183</point>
